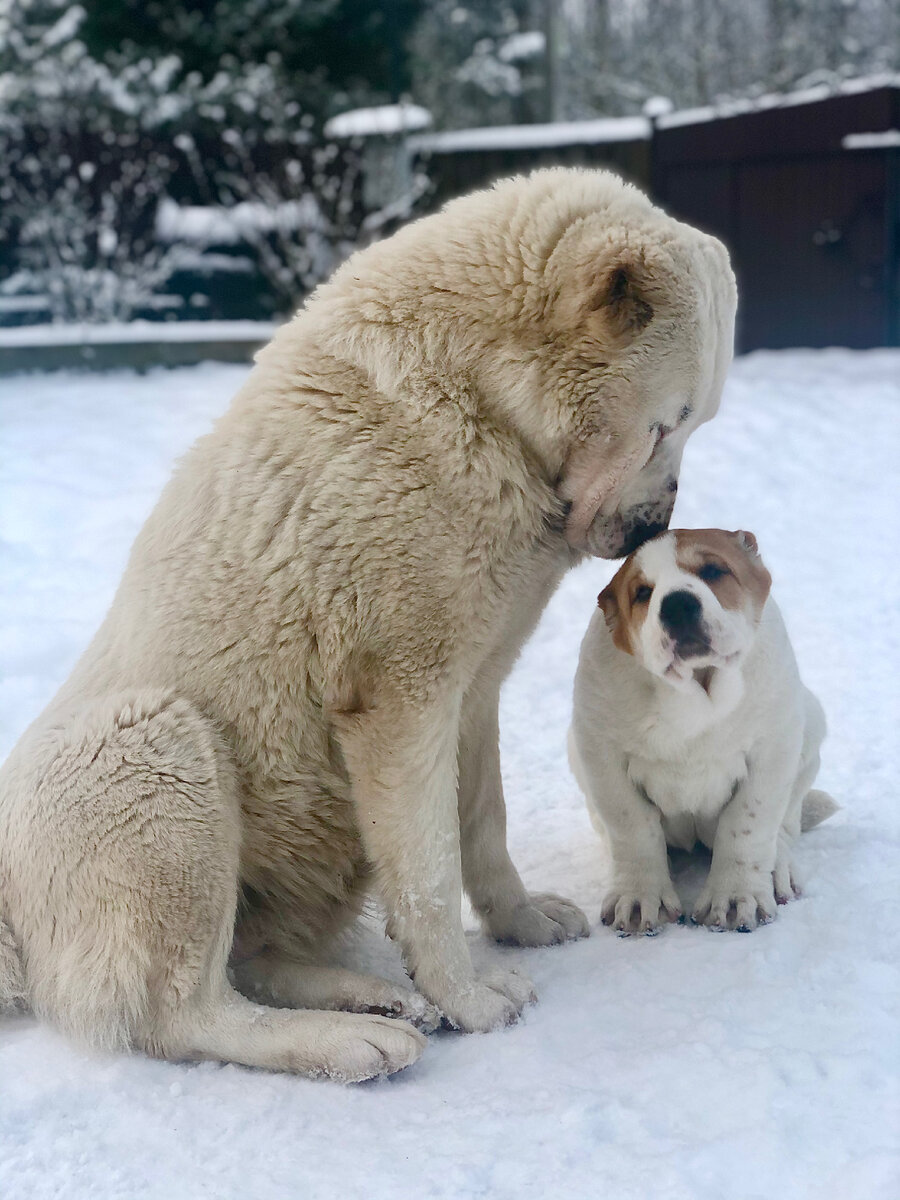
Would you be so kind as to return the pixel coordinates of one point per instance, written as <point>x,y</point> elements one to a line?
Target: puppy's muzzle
<point>681,616</point>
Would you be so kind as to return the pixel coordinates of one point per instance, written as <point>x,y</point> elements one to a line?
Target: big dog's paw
<point>395,1001</point>
<point>546,920</point>
<point>641,907</point>
<point>739,903</point>
<point>365,1047</point>
<point>494,1000</point>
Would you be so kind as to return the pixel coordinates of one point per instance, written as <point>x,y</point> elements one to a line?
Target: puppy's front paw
<point>640,906</point>
<point>494,1000</point>
<point>545,920</point>
<point>739,903</point>
<point>785,879</point>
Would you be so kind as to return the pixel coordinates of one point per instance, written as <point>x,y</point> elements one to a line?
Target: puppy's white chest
<point>690,791</point>
<point>690,760</point>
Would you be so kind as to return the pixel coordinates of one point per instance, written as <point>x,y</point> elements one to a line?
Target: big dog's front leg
<point>509,913</point>
<point>401,758</point>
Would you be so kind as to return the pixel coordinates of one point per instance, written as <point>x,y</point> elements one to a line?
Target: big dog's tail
<point>12,976</point>
<point>817,807</point>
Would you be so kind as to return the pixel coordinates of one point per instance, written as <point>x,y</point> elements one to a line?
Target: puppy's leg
<point>740,890</point>
<point>273,978</point>
<point>401,758</point>
<point>786,878</point>
<point>132,839</point>
<point>509,913</point>
<point>642,895</point>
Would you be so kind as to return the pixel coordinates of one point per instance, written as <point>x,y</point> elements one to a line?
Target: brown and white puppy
<point>691,724</point>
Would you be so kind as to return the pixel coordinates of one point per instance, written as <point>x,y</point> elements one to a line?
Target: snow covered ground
<point>689,1066</point>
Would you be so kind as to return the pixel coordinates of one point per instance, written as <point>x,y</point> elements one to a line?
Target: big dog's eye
<point>711,571</point>
<point>642,595</point>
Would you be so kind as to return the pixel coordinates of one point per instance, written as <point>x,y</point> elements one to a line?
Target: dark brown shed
<point>803,188</point>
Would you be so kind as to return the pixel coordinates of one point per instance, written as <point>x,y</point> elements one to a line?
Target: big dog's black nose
<point>679,613</point>
<point>638,534</point>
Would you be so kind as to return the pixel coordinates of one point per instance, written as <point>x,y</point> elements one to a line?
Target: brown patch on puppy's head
<point>624,602</point>
<point>729,564</point>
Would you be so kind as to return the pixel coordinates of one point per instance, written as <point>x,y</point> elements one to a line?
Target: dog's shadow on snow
<point>365,946</point>
<point>689,871</point>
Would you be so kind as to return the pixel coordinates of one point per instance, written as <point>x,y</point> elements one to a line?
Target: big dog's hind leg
<point>134,835</point>
<point>274,978</point>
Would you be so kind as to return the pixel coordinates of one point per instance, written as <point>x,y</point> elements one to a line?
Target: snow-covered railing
<point>627,129</point>
<point>136,344</point>
<point>514,137</point>
<point>884,140</point>
<point>809,95</point>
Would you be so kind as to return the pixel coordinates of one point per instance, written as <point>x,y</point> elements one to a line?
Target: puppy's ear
<point>609,605</point>
<point>760,582</point>
<point>746,540</point>
<point>620,299</point>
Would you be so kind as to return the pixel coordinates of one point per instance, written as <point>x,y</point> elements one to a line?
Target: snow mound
<point>691,1066</point>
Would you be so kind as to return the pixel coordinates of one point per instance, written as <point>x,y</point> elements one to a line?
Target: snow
<point>888,138</point>
<point>209,225</point>
<point>511,137</point>
<point>657,106</point>
<point>809,95</point>
<point>629,129</point>
<point>527,44</point>
<point>137,331</point>
<point>384,119</point>
<point>691,1066</point>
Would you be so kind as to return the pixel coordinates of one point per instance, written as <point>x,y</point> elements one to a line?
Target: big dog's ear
<point>620,299</point>
<point>608,284</point>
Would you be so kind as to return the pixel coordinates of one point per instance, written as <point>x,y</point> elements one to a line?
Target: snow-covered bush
<point>80,178</point>
<point>90,150</point>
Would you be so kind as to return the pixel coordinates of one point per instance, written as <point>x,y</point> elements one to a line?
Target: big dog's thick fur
<point>295,690</point>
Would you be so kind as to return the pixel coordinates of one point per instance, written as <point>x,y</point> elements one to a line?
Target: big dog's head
<point>688,600</point>
<point>575,314</point>
<point>644,316</point>
<point>625,319</point>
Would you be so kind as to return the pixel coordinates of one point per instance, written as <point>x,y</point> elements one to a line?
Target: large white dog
<point>294,694</point>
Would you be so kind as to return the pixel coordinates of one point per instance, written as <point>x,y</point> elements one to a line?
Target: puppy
<point>691,724</point>
<point>293,699</point>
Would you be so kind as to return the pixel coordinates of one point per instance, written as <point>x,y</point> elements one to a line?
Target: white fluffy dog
<point>691,724</point>
<point>294,695</point>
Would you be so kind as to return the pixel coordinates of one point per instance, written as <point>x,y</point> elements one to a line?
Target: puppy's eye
<point>642,595</point>
<point>711,571</point>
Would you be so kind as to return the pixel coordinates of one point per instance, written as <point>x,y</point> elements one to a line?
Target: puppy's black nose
<point>679,613</point>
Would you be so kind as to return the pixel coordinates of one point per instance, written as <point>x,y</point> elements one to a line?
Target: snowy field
<point>688,1066</point>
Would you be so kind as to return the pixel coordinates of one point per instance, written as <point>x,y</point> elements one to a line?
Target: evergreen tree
<point>327,54</point>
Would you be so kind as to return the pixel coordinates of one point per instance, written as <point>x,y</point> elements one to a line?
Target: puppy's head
<point>688,600</point>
